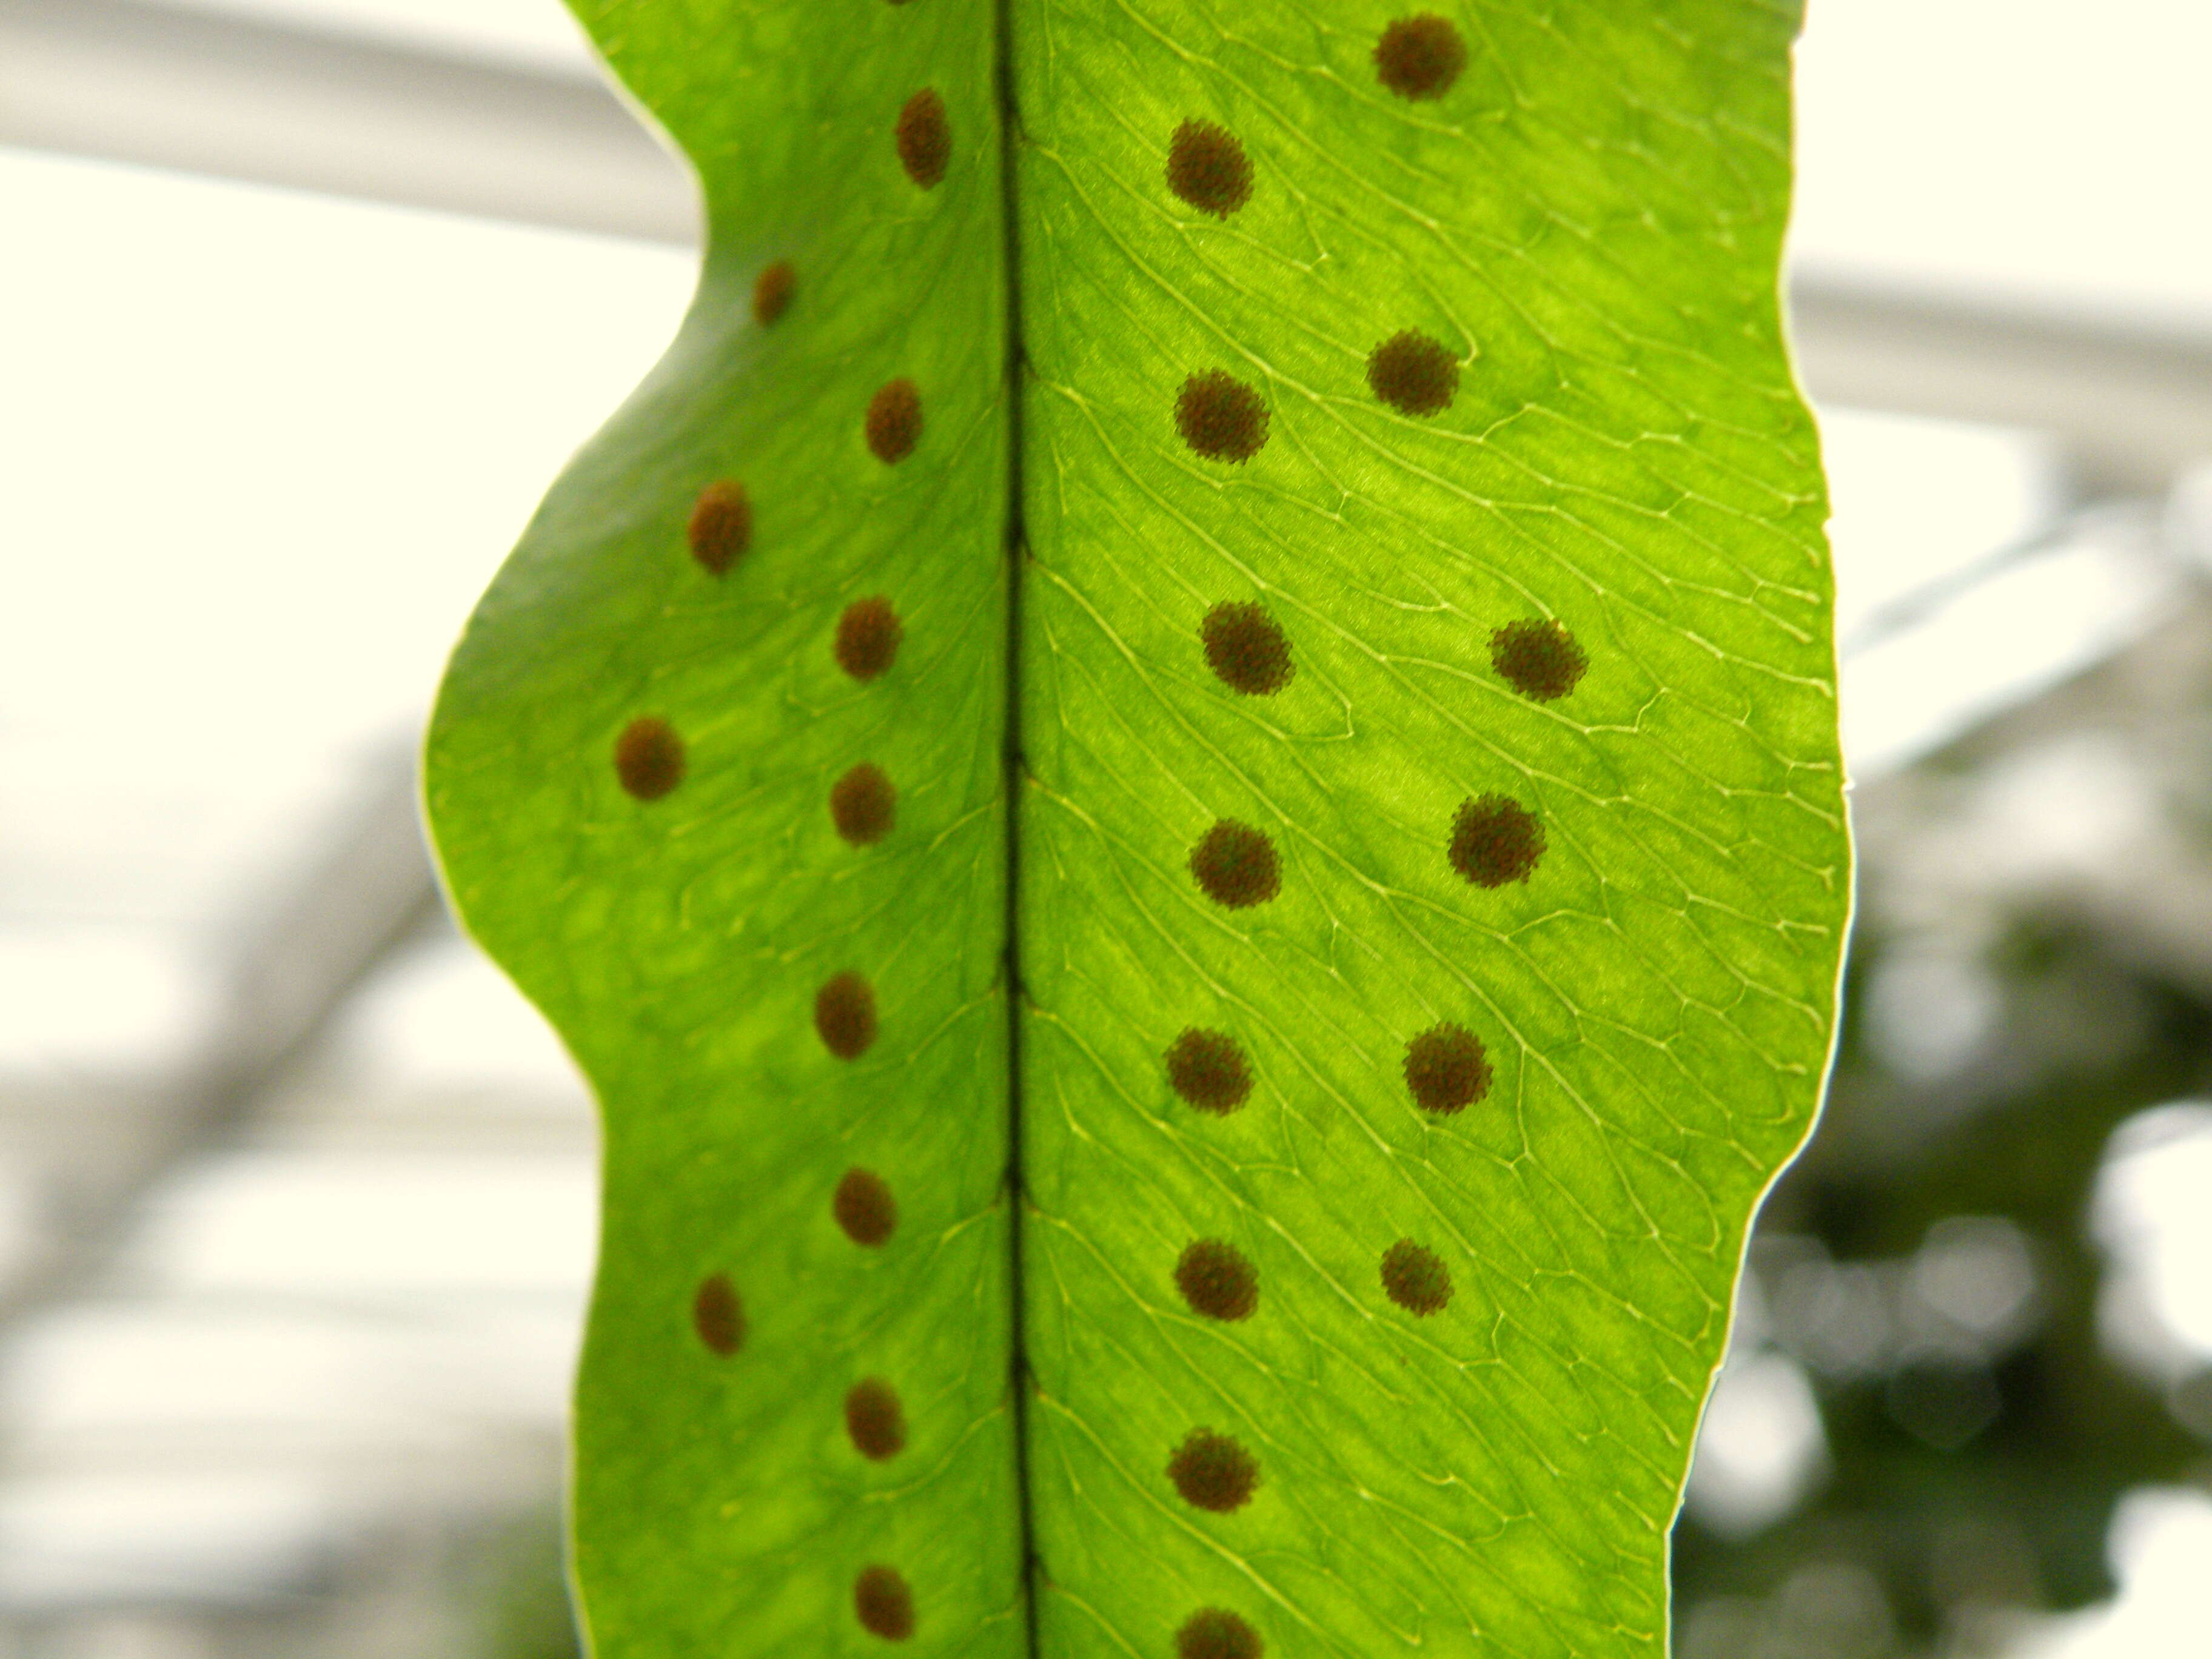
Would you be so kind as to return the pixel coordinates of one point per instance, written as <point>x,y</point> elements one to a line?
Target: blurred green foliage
<point>1980,1483</point>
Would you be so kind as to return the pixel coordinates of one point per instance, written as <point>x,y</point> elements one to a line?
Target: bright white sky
<point>256,480</point>
<point>2054,148</point>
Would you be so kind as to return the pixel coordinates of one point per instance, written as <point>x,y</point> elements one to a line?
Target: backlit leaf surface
<point>1359,595</point>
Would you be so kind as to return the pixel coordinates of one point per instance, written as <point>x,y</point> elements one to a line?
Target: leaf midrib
<point>1016,552</point>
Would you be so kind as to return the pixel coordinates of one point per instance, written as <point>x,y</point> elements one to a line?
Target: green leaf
<point>1261,1027</point>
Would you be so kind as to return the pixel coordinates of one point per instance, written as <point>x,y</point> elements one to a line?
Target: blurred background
<point>307,301</point>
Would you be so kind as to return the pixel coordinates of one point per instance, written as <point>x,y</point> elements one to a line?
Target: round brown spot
<point>894,423</point>
<point>1208,168</point>
<point>1245,649</point>
<point>1413,373</point>
<point>1540,659</point>
<point>1419,56</point>
<point>1208,1070</point>
<point>883,1603</point>
<point>1213,1472</point>
<point>650,757</point>
<point>1446,1070</point>
<point>875,1420</point>
<point>721,526</point>
<point>863,805</point>
<point>925,138</point>
<point>845,1016</point>
<point>865,1208</point>
<point>1235,865</point>
<point>1415,1278</point>
<point>772,291</point>
<point>718,1315</point>
<point>1495,840</point>
<point>868,636</point>
<point>1217,1633</point>
<point>1217,1280</point>
<point>1221,417</point>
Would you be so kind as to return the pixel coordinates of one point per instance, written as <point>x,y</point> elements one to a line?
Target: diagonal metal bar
<point>371,891</point>
<point>1916,604</point>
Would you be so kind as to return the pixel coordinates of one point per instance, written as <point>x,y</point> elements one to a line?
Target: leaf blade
<point>679,943</point>
<point>1501,1473</point>
<point>1587,224</point>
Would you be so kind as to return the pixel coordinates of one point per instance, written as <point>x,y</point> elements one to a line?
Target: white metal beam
<point>371,891</point>
<point>2130,403</point>
<point>242,98</point>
